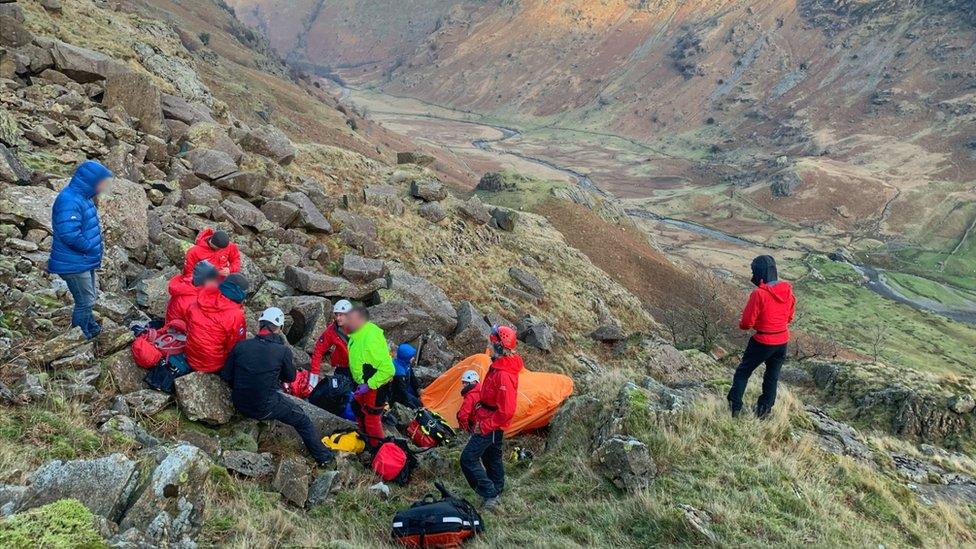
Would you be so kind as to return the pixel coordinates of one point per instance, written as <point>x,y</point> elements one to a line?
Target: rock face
<point>270,142</point>
<point>626,462</point>
<point>292,480</point>
<point>205,398</point>
<point>837,437</point>
<point>124,211</point>
<point>136,93</point>
<point>103,485</point>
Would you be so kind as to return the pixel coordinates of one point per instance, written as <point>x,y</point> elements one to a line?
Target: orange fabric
<point>539,394</point>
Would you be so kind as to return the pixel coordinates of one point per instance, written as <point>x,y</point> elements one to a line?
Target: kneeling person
<point>255,370</point>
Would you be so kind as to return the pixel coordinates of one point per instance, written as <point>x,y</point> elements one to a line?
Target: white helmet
<point>274,316</point>
<point>342,306</point>
<point>470,376</point>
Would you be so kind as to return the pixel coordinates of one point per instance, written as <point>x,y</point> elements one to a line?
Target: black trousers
<point>755,354</point>
<point>291,414</point>
<point>481,463</point>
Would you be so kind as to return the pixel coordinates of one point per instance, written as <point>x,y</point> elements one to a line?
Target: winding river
<point>874,278</point>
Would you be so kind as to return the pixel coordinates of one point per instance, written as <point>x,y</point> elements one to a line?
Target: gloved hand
<point>313,380</point>
<point>361,390</point>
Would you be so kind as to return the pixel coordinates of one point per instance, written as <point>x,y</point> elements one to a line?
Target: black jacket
<point>255,369</point>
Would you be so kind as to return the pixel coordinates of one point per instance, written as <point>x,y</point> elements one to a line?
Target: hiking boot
<point>329,460</point>
<point>491,503</point>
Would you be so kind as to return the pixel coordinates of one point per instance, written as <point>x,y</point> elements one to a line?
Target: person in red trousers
<point>371,367</point>
<point>769,313</point>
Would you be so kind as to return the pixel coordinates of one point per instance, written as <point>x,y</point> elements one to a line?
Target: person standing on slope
<point>215,247</point>
<point>769,312</point>
<point>334,341</point>
<point>76,248</point>
<point>372,369</point>
<point>481,459</point>
<point>255,369</point>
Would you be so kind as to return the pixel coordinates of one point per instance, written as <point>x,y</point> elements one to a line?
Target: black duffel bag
<point>430,522</point>
<point>332,394</point>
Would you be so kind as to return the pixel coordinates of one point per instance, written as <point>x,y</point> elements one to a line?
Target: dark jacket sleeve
<point>288,372</point>
<point>227,373</point>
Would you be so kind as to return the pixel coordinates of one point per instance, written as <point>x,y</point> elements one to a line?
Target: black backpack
<point>431,522</point>
<point>332,394</point>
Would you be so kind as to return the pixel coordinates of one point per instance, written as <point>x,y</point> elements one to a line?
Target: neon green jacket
<point>367,345</point>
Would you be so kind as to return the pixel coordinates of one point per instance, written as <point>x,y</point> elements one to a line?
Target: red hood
<point>511,364</point>
<point>782,291</point>
<point>204,235</point>
<point>181,285</point>
<point>211,300</point>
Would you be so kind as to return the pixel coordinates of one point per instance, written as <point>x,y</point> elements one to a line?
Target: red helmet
<point>504,336</point>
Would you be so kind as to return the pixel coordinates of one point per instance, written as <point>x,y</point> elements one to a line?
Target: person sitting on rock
<point>76,247</point>
<point>183,290</point>
<point>769,312</point>
<point>215,247</point>
<point>255,370</point>
<point>372,369</point>
<point>471,395</point>
<point>334,341</point>
<point>481,459</point>
<point>215,323</point>
<point>404,388</point>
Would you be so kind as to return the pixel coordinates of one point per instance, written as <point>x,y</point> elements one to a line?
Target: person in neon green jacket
<point>372,368</point>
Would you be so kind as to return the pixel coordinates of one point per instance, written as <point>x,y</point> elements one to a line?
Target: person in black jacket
<point>255,369</point>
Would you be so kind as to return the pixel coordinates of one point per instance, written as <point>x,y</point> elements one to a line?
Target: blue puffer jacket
<point>77,245</point>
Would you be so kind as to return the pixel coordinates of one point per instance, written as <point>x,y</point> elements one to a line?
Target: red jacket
<point>769,312</point>
<point>182,294</point>
<point>331,341</point>
<point>499,394</point>
<point>224,258</point>
<point>465,413</point>
<point>213,325</point>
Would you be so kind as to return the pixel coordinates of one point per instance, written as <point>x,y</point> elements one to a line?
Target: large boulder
<point>152,292</point>
<point>314,282</point>
<point>432,211</point>
<point>28,207</point>
<point>204,398</point>
<point>527,281</point>
<point>84,65</point>
<point>211,164</point>
<point>210,135</point>
<point>475,210</point>
<point>270,142</point>
<point>281,212</point>
<point>362,269</point>
<point>309,216</point>
<point>170,507</point>
<point>471,334</point>
<point>536,332</point>
<point>292,480</point>
<point>626,462</point>
<point>400,320</point>
<point>177,108</point>
<point>428,190</point>
<point>249,184</point>
<point>124,211</point>
<point>147,402</point>
<point>505,218</point>
<point>136,93</point>
<point>248,464</point>
<point>103,485</point>
<point>13,33</point>
<point>243,212</point>
<point>419,292</point>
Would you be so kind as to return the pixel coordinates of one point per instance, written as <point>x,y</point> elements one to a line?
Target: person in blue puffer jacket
<point>76,251</point>
<point>404,382</point>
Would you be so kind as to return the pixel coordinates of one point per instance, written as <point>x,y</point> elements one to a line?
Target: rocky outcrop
<point>103,485</point>
<point>414,157</point>
<point>270,142</point>
<point>292,481</point>
<point>626,462</point>
<point>313,282</point>
<point>428,190</point>
<point>140,98</point>
<point>204,398</point>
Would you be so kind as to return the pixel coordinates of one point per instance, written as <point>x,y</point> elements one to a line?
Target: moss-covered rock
<point>63,523</point>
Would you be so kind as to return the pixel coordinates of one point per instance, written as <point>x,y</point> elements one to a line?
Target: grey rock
<point>210,164</point>
<point>79,358</point>
<point>29,207</point>
<point>313,282</point>
<point>505,218</point>
<point>323,421</point>
<point>384,197</point>
<point>147,402</point>
<point>270,142</point>
<point>11,169</point>
<point>103,485</point>
<point>123,209</point>
<point>152,293</point>
<point>356,223</point>
<point>84,65</point>
<point>292,480</point>
<point>249,184</point>
<point>13,33</point>
<point>414,157</point>
<point>527,281</point>
<point>321,487</point>
<point>248,464</point>
<point>361,269</point>
<point>536,333</point>
<point>59,346</point>
<point>962,404</point>
<point>608,333</point>
<point>419,292</point>
<point>243,212</point>
<point>201,195</point>
<point>136,93</point>
<point>127,427</point>
<point>471,334</point>
<point>838,438</point>
<point>431,211</point>
<point>401,320</point>
<point>177,108</point>
<point>476,211</point>
<point>310,217</point>
<point>205,398</point>
<point>281,212</point>
<point>626,462</point>
<point>428,190</point>
<point>126,376</point>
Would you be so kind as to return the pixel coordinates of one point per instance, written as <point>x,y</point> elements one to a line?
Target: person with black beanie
<point>769,313</point>
<point>213,246</point>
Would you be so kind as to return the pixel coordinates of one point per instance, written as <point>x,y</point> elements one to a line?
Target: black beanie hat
<point>235,287</point>
<point>219,239</point>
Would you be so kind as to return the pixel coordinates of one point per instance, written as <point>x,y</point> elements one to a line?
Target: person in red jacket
<point>334,341</point>
<point>183,290</point>
<point>769,312</point>
<point>481,459</point>
<point>471,395</point>
<point>215,247</point>
<point>215,323</point>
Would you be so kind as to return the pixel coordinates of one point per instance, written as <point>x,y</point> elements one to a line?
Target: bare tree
<point>879,338</point>
<point>707,309</point>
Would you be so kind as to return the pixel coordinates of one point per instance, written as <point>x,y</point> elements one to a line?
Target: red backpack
<point>301,386</point>
<point>394,462</point>
<point>152,346</point>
